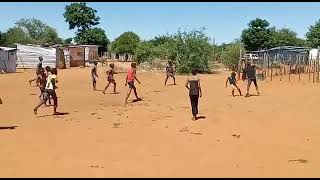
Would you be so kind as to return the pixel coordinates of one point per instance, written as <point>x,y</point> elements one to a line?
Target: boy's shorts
<point>53,95</point>
<point>170,74</point>
<point>131,85</point>
<point>94,78</point>
<point>110,80</point>
<point>234,87</point>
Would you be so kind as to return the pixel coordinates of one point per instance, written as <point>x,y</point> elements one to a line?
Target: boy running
<point>170,73</point>
<point>194,92</point>
<point>110,74</point>
<point>131,76</point>
<point>250,71</point>
<point>233,83</point>
<point>94,75</point>
<point>50,90</point>
<point>39,66</point>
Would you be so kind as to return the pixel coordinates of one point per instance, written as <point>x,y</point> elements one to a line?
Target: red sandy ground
<point>156,137</point>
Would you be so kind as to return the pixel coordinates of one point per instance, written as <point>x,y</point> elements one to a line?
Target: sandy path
<point>156,137</point>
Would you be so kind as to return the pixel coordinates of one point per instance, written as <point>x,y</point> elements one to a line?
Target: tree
<point>125,43</point>
<point>95,36</point>
<point>313,35</point>
<point>38,31</point>
<point>80,16</point>
<point>15,35</point>
<point>285,37</point>
<point>230,56</point>
<point>192,50</point>
<point>257,35</point>
<point>1,38</point>
<point>67,41</point>
<point>145,51</point>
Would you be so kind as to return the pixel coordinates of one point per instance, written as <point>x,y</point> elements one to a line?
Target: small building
<point>76,55</point>
<point>8,59</point>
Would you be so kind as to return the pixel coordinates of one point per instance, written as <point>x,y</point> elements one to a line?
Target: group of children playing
<point>249,73</point>
<point>47,83</point>
<point>130,78</point>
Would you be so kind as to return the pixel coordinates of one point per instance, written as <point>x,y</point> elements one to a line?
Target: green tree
<point>285,37</point>
<point>80,16</point>
<point>1,38</point>
<point>67,41</point>
<point>15,35</point>
<point>192,50</point>
<point>257,35</point>
<point>94,36</point>
<point>38,32</point>
<point>313,35</point>
<point>125,43</point>
<point>230,55</point>
<point>145,51</point>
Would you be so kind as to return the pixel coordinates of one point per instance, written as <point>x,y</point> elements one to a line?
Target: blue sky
<point>223,20</point>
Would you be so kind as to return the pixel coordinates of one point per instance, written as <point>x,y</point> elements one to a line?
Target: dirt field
<point>261,136</point>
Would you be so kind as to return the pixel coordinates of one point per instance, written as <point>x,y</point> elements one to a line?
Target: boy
<point>194,92</point>
<point>50,90</point>
<point>94,75</point>
<point>233,82</point>
<point>110,74</point>
<point>170,72</point>
<point>39,66</point>
<point>131,76</point>
<point>41,82</point>
<point>250,71</point>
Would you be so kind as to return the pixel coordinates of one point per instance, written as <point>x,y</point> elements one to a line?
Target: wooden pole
<point>313,70</point>
<point>309,66</point>
<point>318,64</point>
<point>289,72</point>
<point>240,62</point>
<point>268,63</point>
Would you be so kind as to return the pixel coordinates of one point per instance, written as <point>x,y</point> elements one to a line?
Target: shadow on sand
<point>200,117</point>
<point>57,114</point>
<point>8,127</point>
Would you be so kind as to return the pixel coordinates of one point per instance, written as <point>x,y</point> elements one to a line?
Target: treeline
<point>188,49</point>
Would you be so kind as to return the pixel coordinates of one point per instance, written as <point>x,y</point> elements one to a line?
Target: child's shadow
<point>200,117</point>
<point>136,100</point>
<point>8,127</point>
<point>250,95</point>
<point>56,114</point>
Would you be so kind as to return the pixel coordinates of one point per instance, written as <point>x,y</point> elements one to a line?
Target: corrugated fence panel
<point>28,56</point>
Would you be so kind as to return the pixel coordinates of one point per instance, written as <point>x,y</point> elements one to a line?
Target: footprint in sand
<point>93,113</point>
<point>184,129</point>
<point>236,136</point>
<point>196,133</point>
<point>298,160</point>
<point>115,125</point>
<point>99,118</point>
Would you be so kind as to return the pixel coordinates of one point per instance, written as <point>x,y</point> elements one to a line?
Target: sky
<point>223,21</point>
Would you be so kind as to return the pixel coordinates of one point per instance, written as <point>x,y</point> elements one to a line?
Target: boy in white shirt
<point>50,91</point>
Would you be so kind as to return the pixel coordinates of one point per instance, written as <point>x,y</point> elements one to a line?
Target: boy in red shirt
<point>131,76</point>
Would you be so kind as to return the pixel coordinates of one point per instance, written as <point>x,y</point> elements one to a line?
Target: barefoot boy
<point>250,71</point>
<point>94,75</point>
<point>194,92</point>
<point>131,76</point>
<point>170,73</point>
<point>39,66</point>
<point>50,90</point>
<point>110,74</point>
<point>233,83</point>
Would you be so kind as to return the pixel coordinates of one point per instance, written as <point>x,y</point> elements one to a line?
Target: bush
<point>230,56</point>
<point>192,50</point>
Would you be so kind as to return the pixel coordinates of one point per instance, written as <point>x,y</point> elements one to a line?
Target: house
<point>76,55</point>
<point>8,59</point>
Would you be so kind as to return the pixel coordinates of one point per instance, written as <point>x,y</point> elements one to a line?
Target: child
<point>250,71</point>
<point>39,66</point>
<point>110,74</point>
<point>233,82</point>
<point>41,81</point>
<point>48,72</point>
<point>194,92</point>
<point>170,73</point>
<point>50,90</point>
<point>131,76</point>
<point>94,75</point>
